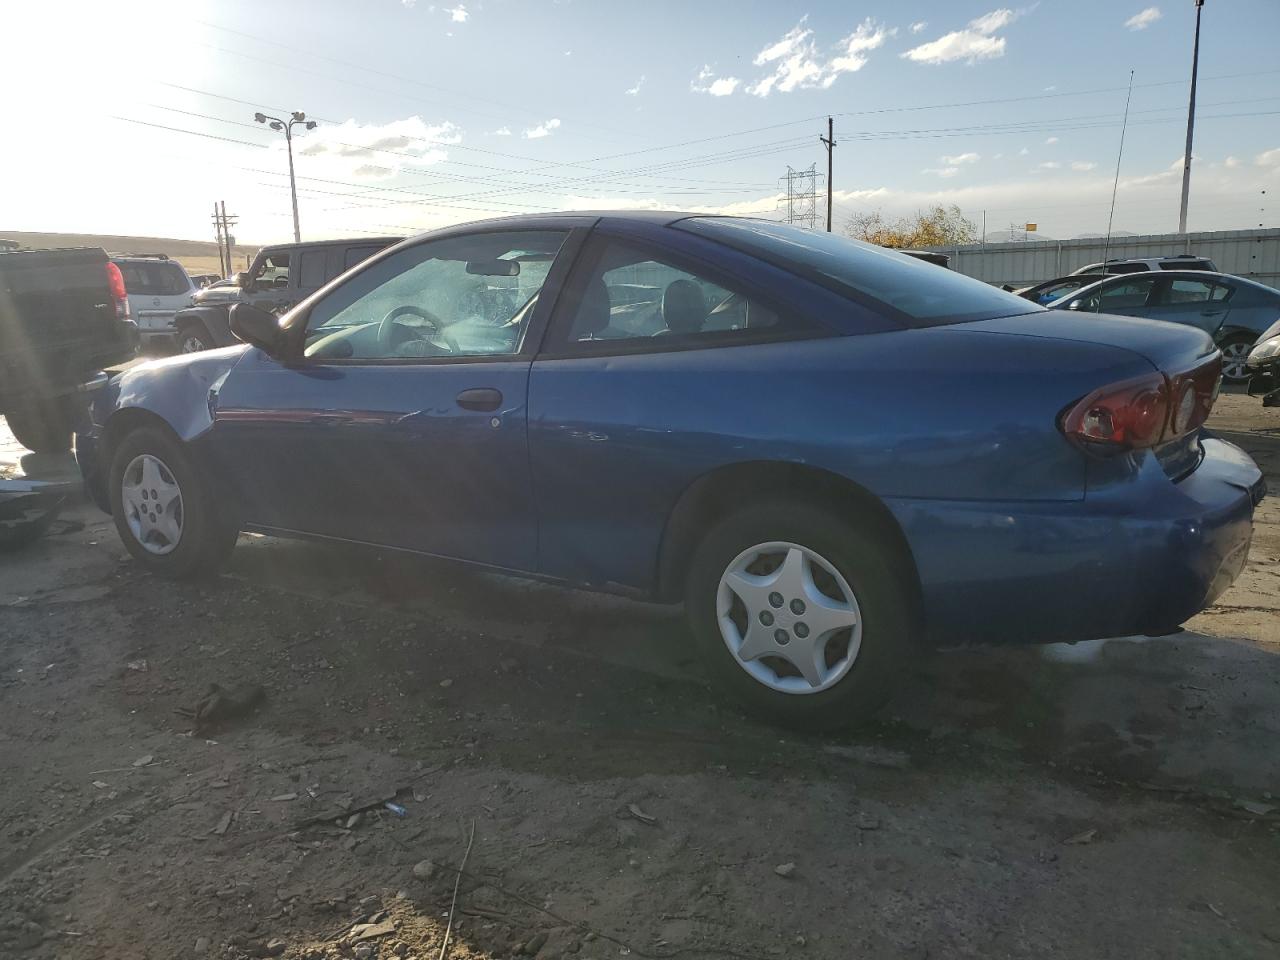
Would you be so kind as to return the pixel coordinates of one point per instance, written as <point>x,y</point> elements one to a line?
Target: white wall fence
<point>1245,253</point>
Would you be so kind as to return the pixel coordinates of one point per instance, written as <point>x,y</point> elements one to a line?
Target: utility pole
<point>829,141</point>
<point>275,123</point>
<point>1191,123</point>
<point>802,196</point>
<point>217,233</point>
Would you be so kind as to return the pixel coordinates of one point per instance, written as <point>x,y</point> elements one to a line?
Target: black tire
<point>1238,341</point>
<point>192,338</point>
<point>207,536</point>
<point>46,426</point>
<point>874,570</point>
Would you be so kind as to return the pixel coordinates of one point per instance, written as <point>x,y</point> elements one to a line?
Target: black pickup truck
<point>64,316</point>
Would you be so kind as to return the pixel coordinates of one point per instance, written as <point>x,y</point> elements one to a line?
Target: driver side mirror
<point>244,281</point>
<point>1075,304</point>
<point>256,326</point>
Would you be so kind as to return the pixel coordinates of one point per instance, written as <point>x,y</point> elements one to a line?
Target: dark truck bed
<point>62,319</point>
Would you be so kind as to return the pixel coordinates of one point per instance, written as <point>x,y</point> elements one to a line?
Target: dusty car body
<point>828,451</point>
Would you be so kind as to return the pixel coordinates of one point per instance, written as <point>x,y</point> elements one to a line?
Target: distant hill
<point>197,256</point>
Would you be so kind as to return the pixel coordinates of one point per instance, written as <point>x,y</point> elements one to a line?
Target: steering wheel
<point>388,324</point>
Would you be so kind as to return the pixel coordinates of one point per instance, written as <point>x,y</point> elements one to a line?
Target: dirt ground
<point>1115,799</point>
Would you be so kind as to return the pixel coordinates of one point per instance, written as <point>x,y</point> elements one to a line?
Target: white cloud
<point>458,14</point>
<point>542,130</point>
<point>919,25</point>
<point>798,64</point>
<point>975,42</point>
<point>635,91</point>
<point>500,132</point>
<point>377,151</point>
<point>1023,152</point>
<point>961,158</point>
<point>1049,165</point>
<point>944,172</point>
<point>1082,165</point>
<point>1144,19</point>
<point>1231,162</point>
<point>708,82</point>
<point>1051,140</point>
<point>1051,88</point>
<point>409,3</point>
<point>997,156</point>
<point>1270,158</point>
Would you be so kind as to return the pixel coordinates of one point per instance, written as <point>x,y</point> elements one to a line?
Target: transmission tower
<point>802,196</point>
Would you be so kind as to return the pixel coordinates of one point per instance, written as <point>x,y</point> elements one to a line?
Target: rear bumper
<point>1140,562</point>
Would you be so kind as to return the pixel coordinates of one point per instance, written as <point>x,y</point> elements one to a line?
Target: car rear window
<point>920,293</point>
<point>154,278</point>
<point>1186,265</point>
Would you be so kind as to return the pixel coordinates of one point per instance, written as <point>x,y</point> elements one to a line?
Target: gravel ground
<point>1115,799</point>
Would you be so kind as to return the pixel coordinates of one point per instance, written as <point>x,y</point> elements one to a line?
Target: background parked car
<point>158,288</point>
<point>64,315</point>
<point>1233,310</point>
<point>1182,261</point>
<point>1264,367</point>
<point>280,276</point>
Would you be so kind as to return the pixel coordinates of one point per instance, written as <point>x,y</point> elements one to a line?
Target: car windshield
<point>921,293</point>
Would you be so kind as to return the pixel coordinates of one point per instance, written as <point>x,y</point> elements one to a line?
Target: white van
<point>158,288</point>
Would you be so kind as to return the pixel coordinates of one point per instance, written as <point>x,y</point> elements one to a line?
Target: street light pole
<point>1191,123</point>
<point>286,126</point>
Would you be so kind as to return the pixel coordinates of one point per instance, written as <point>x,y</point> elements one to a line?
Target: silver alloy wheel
<point>190,343</point>
<point>789,618</point>
<point>1233,361</point>
<point>152,503</point>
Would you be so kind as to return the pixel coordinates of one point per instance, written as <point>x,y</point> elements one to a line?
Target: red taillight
<point>115,281</point>
<point>1122,416</point>
<point>1194,394</point>
<point>1145,411</point>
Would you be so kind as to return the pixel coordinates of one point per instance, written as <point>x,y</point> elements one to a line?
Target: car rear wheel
<point>164,509</point>
<point>802,615</point>
<point>46,426</point>
<point>1235,351</point>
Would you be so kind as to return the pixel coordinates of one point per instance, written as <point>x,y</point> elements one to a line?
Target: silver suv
<point>157,288</point>
<point>1183,261</point>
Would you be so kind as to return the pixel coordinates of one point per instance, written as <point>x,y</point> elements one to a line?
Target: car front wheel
<point>802,615</point>
<point>192,339</point>
<point>164,509</point>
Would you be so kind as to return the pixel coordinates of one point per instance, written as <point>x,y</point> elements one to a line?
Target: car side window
<point>311,268</point>
<point>1195,291</point>
<point>457,297</point>
<point>1129,293</point>
<point>631,295</point>
<point>354,255</point>
<point>272,271</point>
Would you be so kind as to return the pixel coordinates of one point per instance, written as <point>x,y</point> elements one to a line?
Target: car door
<point>633,395</point>
<point>1196,302</point>
<point>398,416</point>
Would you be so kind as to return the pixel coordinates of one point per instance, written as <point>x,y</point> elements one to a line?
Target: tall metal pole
<point>830,142</point>
<point>293,186</point>
<point>1191,123</point>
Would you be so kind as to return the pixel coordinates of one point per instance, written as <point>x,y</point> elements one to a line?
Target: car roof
<point>366,241</point>
<point>519,221</point>
<point>1178,275</point>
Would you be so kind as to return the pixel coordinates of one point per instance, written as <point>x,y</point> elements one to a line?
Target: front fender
<point>214,318</point>
<point>181,390</point>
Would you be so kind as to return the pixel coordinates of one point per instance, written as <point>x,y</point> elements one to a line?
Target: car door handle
<point>480,398</point>
<point>1212,313</point>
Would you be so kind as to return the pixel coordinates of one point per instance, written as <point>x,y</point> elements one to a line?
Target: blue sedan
<point>833,454</point>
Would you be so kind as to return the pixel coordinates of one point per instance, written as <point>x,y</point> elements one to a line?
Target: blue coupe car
<point>833,454</point>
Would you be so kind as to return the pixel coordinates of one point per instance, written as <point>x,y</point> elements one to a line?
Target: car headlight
<point>1268,349</point>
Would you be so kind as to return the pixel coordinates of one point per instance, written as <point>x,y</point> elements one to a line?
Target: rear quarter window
<point>919,293</point>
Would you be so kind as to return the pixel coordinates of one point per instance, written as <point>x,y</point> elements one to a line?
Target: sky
<point>133,117</point>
